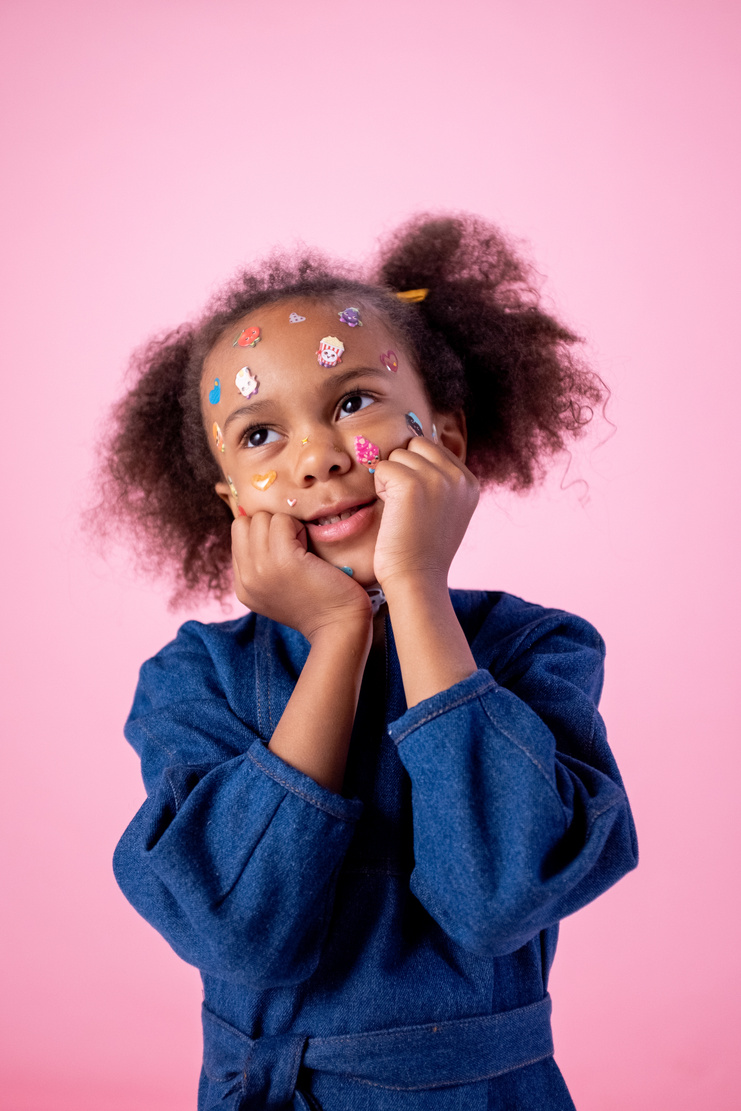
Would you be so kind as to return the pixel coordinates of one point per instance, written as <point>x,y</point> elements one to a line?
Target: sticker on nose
<point>246,383</point>
<point>330,351</point>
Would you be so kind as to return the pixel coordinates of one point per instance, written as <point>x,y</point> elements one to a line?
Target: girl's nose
<point>321,455</point>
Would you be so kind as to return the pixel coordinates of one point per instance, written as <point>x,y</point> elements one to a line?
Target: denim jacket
<point>387,948</point>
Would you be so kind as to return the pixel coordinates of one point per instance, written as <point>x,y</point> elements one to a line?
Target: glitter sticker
<point>262,481</point>
<point>291,502</point>
<point>219,437</point>
<point>246,383</point>
<point>414,424</point>
<point>248,338</point>
<point>351,317</point>
<point>305,441</point>
<point>366,452</point>
<point>214,395</point>
<point>330,351</point>
<point>294,318</point>
<point>390,361</point>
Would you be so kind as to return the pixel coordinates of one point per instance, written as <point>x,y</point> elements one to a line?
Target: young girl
<point>370,800</point>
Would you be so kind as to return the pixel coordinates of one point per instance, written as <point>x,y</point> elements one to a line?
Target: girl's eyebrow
<point>332,383</point>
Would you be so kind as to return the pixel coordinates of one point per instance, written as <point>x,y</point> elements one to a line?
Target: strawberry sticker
<point>248,338</point>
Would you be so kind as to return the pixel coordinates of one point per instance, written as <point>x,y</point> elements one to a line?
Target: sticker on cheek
<point>366,452</point>
<point>291,502</point>
<point>434,434</point>
<point>330,351</point>
<point>214,395</point>
<point>246,383</point>
<point>414,424</point>
<point>294,318</point>
<point>390,361</point>
<point>351,317</point>
<point>219,437</point>
<point>262,481</point>
<point>232,487</point>
<point>248,338</point>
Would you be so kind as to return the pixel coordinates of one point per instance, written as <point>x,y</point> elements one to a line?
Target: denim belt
<point>263,1072</point>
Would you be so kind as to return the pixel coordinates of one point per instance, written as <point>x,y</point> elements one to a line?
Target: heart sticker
<point>214,395</point>
<point>291,502</point>
<point>262,481</point>
<point>294,318</point>
<point>390,361</point>
<point>248,338</point>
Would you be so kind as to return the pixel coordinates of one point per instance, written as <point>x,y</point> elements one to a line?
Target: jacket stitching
<point>297,791</point>
<point>486,684</point>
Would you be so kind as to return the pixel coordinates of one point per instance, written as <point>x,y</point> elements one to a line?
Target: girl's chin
<point>362,569</point>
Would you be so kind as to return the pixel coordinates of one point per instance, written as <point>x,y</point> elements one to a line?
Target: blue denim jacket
<point>387,948</point>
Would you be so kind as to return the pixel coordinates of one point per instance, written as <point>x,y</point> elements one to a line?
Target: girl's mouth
<point>341,525</point>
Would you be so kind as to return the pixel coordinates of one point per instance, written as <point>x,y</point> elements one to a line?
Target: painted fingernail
<point>241,511</point>
<point>348,571</point>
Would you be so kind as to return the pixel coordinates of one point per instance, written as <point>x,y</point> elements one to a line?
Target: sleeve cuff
<point>467,690</point>
<point>347,810</point>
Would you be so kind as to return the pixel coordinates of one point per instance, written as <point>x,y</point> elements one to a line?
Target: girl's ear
<point>452,433</point>
<point>222,489</point>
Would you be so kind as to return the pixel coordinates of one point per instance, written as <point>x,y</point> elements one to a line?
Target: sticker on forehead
<point>414,424</point>
<point>246,383</point>
<point>351,317</point>
<point>214,395</point>
<point>390,361</point>
<point>294,318</point>
<point>330,351</point>
<point>366,452</point>
<point>262,481</point>
<point>248,338</point>
<point>219,437</point>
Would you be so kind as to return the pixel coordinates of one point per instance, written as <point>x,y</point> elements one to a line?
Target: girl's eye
<point>353,403</point>
<point>257,437</point>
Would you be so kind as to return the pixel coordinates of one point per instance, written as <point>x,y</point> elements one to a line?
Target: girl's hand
<point>429,497</point>
<point>276,576</point>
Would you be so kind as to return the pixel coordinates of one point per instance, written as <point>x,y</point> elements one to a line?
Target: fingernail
<point>241,511</point>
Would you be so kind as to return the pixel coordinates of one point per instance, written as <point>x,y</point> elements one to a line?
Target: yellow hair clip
<point>413,294</point>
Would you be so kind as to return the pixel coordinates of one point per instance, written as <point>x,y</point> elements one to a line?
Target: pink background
<point>154,145</point>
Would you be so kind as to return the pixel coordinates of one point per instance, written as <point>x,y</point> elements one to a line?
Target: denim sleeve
<point>234,856</point>
<point>520,816</point>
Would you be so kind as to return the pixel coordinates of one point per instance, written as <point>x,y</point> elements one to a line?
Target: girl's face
<point>293,436</point>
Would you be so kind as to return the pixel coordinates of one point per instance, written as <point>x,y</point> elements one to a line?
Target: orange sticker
<point>262,481</point>
<point>218,436</point>
<point>248,338</point>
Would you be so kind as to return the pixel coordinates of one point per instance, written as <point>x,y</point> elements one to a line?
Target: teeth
<point>333,520</point>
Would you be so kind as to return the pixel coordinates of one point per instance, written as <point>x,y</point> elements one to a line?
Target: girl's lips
<point>340,530</point>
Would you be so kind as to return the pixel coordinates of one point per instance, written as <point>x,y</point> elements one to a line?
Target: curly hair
<point>479,340</point>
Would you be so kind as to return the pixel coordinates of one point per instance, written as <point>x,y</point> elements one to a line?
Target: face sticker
<point>414,424</point>
<point>246,383</point>
<point>389,360</point>
<point>294,318</point>
<point>291,502</point>
<point>232,487</point>
<point>248,338</point>
<point>351,317</point>
<point>367,453</point>
<point>214,395</point>
<point>330,351</point>
<point>218,436</point>
<point>262,481</point>
<point>348,571</point>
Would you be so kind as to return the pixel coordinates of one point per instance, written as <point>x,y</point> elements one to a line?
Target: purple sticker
<point>351,317</point>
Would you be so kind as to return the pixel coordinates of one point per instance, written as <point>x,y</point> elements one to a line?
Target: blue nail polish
<point>348,571</point>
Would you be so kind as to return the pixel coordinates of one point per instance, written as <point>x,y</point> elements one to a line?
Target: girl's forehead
<point>315,335</point>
